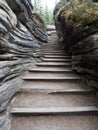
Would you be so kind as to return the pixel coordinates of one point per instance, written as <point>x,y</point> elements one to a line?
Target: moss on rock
<point>79,15</point>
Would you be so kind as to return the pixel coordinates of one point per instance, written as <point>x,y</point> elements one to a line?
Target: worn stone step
<point>51,46</point>
<point>51,85</point>
<point>47,53</point>
<point>91,110</point>
<point>49,74</point>
<point>73,91</point>
<point>56,60</point>
<point>53,100</point>
<point>37,69</point>
<point>59,52</point>
<point>52,122</point>
<point>61,57</point>
<point>53,68</point>
<point>59,91</point>
<point>50,43</point>
<point>52,78</point>
<point>52,64</point>
<point>53,51</point>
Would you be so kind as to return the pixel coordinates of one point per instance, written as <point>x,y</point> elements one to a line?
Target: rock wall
<point>21,35</point>
<point>77,26</point>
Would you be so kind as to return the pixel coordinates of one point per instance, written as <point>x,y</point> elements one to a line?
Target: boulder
<point>77,27</point>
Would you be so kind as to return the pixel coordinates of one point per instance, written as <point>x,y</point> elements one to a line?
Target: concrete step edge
<point>51,56</point>
<point>52,78</point>
<point>54,91</point>
<point>51,71</point>
<point>53,51</point>
<point>54,54</point>
<point>88,110</point>
<point>53,65</point>
<point>56,60</point>
<point>64,63</point>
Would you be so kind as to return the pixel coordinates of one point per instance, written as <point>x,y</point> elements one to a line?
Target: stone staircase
<point>53,97</point>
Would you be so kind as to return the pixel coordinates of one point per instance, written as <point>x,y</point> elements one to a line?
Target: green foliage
<point>44,12</point>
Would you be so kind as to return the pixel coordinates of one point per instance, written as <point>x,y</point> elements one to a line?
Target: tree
<point>46,14</point>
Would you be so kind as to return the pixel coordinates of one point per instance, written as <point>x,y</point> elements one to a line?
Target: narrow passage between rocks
<point>53,97</point>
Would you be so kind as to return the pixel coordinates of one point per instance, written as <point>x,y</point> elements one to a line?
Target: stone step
<point>52,78</point>
<point>59,53</point>
<point>54,68</point>
<point>51,46</point>
<point>52,100</point>
<point>91,110</point>
<point>52,50</point>
<point>52,43</point>
<point>78,91</point>
<point>37,69</point>
<point>52,64</point>
<point>49,74</point>
<point>73,91</point>
<point>52,122</point>
<point>56,60</point>
<point>57,47</point>
<point>51,85</point>
<point>57,56</point>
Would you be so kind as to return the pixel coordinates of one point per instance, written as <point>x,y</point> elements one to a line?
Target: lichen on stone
<point>79,15</point>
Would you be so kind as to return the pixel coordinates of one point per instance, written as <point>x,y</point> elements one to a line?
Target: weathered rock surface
<point>75,22</point>
<point>21,32</point>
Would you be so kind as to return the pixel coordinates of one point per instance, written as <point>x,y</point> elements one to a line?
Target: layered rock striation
<point>21,35</point>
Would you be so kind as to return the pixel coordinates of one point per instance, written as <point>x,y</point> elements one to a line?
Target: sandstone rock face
<point>75,26</point>
<point>33,22</point>
<point>21,32</point>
